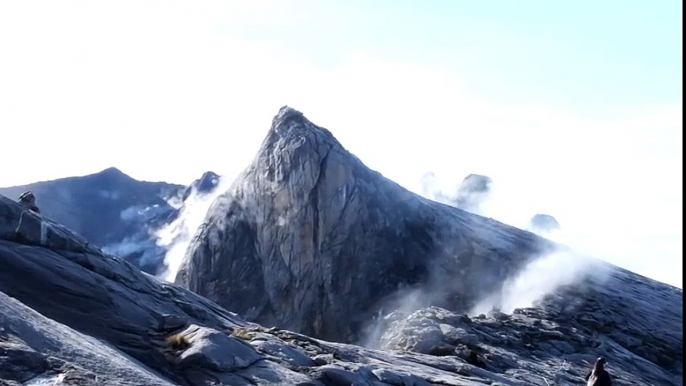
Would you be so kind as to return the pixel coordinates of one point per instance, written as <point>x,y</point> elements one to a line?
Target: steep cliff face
<point>308,238</point>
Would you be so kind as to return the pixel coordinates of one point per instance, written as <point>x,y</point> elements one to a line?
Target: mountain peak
<point>205,184</point>
<point>286,113</point>
<point>307,214</point>
<point>112,171</point>
<point>290,123</point>
<point>112,174</point>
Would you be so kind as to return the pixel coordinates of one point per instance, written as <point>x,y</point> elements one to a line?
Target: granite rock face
<point>308,238</point>
<point>40,351</point>
<point>70,314</point>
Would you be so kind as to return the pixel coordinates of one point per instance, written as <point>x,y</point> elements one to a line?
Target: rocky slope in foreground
<point>114,211</point>
<point>72,315</point>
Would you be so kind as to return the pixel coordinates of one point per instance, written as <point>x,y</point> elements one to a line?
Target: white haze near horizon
<point>168,92</point>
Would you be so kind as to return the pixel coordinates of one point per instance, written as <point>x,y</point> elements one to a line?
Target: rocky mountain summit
<point>308,238</point>
<point>472,192</point>
<point>308,244</point>
<point>73,315</point>
<point>112,210</point>
<point>543,223</point>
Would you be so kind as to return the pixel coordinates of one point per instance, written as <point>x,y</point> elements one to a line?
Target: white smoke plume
<point>543,275</point>
<point>500,203</point>
<point>131,245</point>
<point>540,277</point>
<point>177,235</point>
<point>403,302</point>
<point>516,203</point>
<point>525,288</point>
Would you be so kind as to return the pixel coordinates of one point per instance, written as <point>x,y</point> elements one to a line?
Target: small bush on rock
<point>178,342</point>
<point>244,334</point>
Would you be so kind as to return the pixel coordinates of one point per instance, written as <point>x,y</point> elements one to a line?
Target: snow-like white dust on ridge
<point>540,277</point>
<point>177,235</point>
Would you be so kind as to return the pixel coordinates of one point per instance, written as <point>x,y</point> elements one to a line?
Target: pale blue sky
<point>572,107</point>
<point>596,56</point>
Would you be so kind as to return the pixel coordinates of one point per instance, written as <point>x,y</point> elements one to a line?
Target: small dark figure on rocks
<point>29,200</point>
<point>598,376</point>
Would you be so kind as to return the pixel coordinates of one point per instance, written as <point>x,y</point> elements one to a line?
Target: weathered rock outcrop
<point>57,273</point>
<point>543,223</point>
<point>308,238</point>
<point>634,321</point>
<point>35,350</point>
<point>469,195</point>
<point>472,192</point>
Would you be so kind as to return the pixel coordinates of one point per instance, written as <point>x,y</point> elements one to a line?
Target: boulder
<point>214,350</point>
<point>543,223</point>
<point>472,192</point>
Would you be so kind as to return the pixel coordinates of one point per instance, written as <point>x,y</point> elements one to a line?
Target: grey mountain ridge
<point>472,192</point>
<point>322,243</point>
<point>115,211</point>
